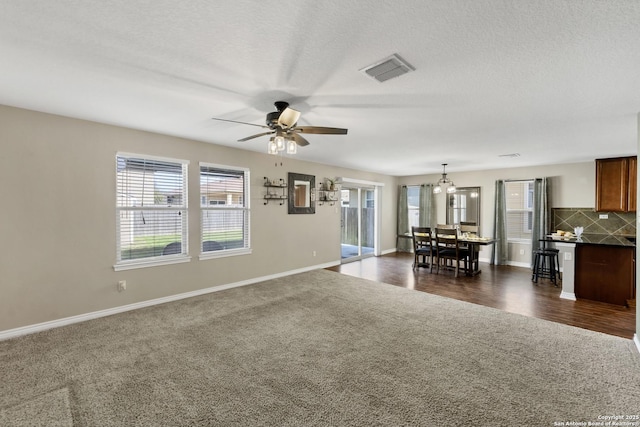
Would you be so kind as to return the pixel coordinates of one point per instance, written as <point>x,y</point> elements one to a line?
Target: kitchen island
<point>598,267</point>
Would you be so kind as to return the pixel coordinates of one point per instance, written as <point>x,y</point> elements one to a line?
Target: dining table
<point>473,242</point>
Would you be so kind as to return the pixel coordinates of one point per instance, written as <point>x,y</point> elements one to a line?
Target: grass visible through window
<point>150,246</point>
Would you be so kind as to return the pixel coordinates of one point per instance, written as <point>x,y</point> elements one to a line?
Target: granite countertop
<point>599,239</point>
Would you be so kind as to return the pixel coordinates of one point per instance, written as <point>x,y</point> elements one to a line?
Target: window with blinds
<point>152,210</point>
<point>224,203</point>
<point>413,205</point>
<point>519,201</point>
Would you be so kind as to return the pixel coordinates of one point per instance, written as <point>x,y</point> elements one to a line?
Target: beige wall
<point>572,185</point>
<point>58,218</point>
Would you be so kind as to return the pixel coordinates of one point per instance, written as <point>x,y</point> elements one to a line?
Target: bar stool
<point>546,263</point>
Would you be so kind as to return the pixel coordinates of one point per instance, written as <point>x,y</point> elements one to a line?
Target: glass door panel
<point>357,223</point>
<point>367,221</point>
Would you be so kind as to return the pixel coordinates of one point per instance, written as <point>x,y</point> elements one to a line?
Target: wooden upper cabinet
<point>633,186</point>
<point>616,184</point>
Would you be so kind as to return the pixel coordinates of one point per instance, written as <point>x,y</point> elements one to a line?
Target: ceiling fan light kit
<point>283,123</point>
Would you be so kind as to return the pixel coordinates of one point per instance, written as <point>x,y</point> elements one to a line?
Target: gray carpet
<point>318,348</point>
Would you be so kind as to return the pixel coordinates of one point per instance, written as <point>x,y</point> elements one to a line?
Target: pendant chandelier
<point>444,181</point>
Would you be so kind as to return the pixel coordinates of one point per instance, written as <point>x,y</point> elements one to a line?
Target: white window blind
<point>224,203</point>
<point>519,200</point>
<point>152,209</point>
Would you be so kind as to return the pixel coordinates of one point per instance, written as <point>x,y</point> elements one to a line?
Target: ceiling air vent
<point>388,68</point>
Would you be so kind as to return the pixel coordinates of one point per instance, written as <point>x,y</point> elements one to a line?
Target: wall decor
<point>276,189</point>
<point>328,192</point>
<point>464,206</point>
<point>302,190</point>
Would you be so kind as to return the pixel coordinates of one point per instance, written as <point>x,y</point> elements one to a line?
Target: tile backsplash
<point>621,224</point>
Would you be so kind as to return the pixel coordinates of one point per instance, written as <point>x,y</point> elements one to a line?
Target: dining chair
<point>471,228</point>
<point>446,226</point>
<point>449,248</point>
<point>423,247</point>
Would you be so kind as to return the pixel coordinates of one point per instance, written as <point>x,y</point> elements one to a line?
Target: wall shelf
<point>276,190</point>
<point>327,196</point>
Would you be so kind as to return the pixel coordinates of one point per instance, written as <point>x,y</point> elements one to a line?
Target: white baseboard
<point>568,295</point>
<point>519,264</point>
<point>39,327</point>
<point>636,340</point>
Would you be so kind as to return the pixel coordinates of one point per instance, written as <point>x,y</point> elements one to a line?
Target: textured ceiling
<point>555,81</point>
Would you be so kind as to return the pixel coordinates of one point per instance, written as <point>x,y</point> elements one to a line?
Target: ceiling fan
<point>282,124</point>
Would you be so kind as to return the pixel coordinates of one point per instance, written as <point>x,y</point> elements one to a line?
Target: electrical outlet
<point>314,253</point>
<point>567,256</point>
<point>603,216</point>
<point>521,251</point>
<point>122,285</point>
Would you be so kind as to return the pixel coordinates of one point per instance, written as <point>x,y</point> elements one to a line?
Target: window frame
<point>244,207</point>
<point>152,261</point>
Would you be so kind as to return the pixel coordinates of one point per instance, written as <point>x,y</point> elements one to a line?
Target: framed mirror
<point>463,206</point>
<point>301,193</point>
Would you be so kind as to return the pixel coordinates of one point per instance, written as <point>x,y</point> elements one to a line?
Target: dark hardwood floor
<point>504,287</point>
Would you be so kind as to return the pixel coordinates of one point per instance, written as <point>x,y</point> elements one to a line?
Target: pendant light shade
<point>279,140</point>
<point>292,147</point>
<point>272,148</point>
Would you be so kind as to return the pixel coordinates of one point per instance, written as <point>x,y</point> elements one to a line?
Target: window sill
<point>223,254</point>
<point>151,263</point>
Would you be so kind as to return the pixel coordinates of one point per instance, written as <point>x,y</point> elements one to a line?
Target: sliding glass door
<point>358,219</point>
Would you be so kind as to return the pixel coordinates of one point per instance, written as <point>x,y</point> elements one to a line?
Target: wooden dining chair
<point>446,226</point>
<point>423,247</point>
<point>449,248</point>
<point>471,228</point>
<point>468,228</point>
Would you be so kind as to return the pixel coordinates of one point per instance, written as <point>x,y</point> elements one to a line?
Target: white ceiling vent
<point>388,68</point>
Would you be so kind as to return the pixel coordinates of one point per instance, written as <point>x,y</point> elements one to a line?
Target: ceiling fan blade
<point>299,140</point>
<point>242,123</point>
<point>320,130</point>
<point>256,136</point>
<point>288,118</point>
